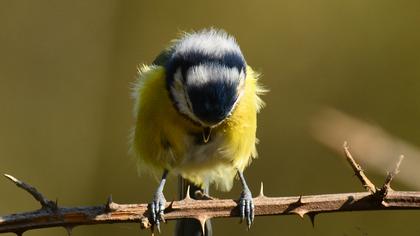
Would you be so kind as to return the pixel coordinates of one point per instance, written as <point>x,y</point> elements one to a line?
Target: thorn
<point>299,201</point>
<point>203,227</point>
<point>202,220</point>
<point>261,190</point>
<point>170,206</point>
<point>54,205</point>
<point>69,230</point>
<point>312,218</point>
<point>19,233</point>
<point>187,195</point>
<point>300,213</point>
<point>108,204</point>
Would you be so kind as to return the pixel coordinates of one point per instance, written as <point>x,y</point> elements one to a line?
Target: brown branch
<point>111,212</point>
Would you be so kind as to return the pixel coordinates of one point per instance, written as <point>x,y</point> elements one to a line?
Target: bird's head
<point>206,76</point>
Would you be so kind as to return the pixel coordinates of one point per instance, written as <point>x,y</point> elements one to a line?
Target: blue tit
<point>196,115</point>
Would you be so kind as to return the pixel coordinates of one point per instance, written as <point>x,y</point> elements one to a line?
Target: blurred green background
<point>65,110</point>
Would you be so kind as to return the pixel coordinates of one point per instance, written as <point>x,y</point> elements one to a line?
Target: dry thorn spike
<point>312,218</point>
<point>109,205</point>
<point>187,195</point>
<point>170,206</point>
<point>20,233</point>
<point>299,201</point>
<point>300,213</point>
<point>69,230</point>
<point>261,190</point>
<point>202,220</point>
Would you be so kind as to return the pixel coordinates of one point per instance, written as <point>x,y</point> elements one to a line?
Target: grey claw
<point>252,212</point>
<point>153,211</point>
<point>248,215</point>
<point>242,207</point>
<point>246,206</point>
<point>157,209</point>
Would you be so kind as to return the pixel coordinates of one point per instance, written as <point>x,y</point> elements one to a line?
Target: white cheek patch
<point>181,97</point>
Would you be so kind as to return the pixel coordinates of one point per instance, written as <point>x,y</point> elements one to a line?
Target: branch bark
<point>52,215</point>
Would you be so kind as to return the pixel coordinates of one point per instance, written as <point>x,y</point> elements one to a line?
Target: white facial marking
<point>181,97</point>
<point>204,73</point>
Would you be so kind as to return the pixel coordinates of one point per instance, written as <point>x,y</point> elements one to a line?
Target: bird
<point>195,110</point>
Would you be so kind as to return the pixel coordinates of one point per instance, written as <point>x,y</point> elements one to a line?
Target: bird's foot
<point>246,207</point>
<point>157,208</point>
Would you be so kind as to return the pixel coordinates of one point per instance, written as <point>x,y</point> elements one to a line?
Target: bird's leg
<point>246,204</point>
<point>158,204</point>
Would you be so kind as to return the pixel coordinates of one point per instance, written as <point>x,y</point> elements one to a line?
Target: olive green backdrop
<point>65,110</point>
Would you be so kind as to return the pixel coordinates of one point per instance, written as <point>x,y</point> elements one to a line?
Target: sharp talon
<point>248,217</point>
<point>153,210</point>
<point>252,213</point>
<point>158,226</point>
<point>242,205</point>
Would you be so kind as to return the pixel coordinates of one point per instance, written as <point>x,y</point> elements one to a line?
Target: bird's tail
<point>191,226</point>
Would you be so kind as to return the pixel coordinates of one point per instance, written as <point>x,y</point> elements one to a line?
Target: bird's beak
<point>206,134</point>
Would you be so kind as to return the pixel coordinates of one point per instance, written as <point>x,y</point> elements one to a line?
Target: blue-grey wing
<point>163,57</point>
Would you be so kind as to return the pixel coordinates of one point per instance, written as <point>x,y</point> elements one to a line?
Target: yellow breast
<point>165,139</point>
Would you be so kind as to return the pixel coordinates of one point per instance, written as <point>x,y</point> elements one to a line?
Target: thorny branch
<point>52,215</point>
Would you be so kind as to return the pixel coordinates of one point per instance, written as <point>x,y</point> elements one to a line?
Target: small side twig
<point>392,174</point>
<point>386,188</point>
<point>45,203</point>
<point>378,193</point>
<point>367,184</point>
